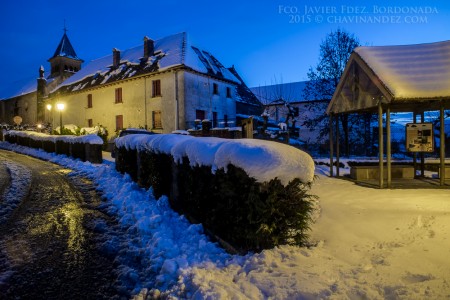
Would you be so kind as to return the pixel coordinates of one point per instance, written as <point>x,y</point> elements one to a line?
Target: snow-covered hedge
<point>263,160</point>
<point>86,147</point>
<point>251,193</point>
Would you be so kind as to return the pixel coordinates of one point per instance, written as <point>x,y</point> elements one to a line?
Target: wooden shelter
<point>408,78</point>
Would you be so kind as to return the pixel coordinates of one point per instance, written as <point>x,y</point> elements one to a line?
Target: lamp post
<point>49,108</point>
<point>60,107</point>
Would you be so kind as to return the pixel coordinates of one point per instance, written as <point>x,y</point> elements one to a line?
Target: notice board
<point>419,137</point>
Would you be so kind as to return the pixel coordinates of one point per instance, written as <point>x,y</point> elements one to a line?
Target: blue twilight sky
<point>268,41</point>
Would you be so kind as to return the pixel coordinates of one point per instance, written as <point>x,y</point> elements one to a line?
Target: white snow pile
<point>17,189</point>
<point>371,244</point>
<point>262,160</point>
<point>92,139</point>
<point>92,130</point>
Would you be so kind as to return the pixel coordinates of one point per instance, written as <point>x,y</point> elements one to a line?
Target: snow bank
<point>262,160</point>
<point>16,191</point>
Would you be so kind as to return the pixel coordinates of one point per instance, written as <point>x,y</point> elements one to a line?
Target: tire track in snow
<point>20,182</point>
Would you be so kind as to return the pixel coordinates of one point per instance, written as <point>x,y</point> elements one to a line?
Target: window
<point>225,119</point>
<point>90,123</point>
<point>118,95</point>
<point>228,92</point>
<point>156,88</point>
<point>215,89</point>
<point>119,122</point>
<point>199,114</point>
<point>89,100</point>
<point>156,117</point>
<point>214,120</point>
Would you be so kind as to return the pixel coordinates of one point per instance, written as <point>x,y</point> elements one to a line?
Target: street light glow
<point>60,107</point>
<point>49,107</point>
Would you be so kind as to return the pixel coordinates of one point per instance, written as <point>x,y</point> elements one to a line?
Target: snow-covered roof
<point>21,87</point>
<point>171,51</point>
<point>411,71</point>
<point>290,92</point>
<point>65,49</point>
<point>404,76</point>
<point>243,92</point>
<point>18,88</point>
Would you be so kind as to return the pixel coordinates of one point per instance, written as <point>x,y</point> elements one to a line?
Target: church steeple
<point>65,61</point>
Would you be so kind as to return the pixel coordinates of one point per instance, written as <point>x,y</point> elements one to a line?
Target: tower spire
<point>64,60</point>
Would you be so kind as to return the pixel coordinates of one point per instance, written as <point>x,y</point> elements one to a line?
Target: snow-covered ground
<point>15,191</point>
<point>370,244</point>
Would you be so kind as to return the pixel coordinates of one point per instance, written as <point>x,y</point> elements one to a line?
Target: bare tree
<point>335,51</point>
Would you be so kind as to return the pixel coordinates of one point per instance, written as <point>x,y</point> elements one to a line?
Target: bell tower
<point>65,62</point>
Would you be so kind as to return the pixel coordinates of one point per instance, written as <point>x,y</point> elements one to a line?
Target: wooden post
<point>415,153</point>
<point>422,156</point>
<point>331,145</point>
<point>442,143</point>
<point>337,146</point>
<point>380,144</point>
<point>388,146</point>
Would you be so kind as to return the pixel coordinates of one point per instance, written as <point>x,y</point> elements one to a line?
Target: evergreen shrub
<point>155,170</point>
<point>48,146</point>
<point>78,151</point>
<point>126,161</point>
<point>247,214</point>
<point>62,148</point>
<point>37,144</point>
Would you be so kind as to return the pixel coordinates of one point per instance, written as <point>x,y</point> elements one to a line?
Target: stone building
<point>162,85</point>
<point>25,98</point>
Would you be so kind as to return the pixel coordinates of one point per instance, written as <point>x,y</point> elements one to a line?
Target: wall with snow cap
<point>262,160</point>
<point>84,139</point>
<point>86,147</point>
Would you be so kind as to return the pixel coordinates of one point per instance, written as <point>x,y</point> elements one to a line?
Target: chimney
<point>149,47</point>
<point>41,72</point>
<point>116,57</point>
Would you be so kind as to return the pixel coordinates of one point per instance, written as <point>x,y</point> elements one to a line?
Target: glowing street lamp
<point>60,107</point>
<point>49,108</point>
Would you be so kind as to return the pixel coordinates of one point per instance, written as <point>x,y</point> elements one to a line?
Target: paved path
<point>50,245</point>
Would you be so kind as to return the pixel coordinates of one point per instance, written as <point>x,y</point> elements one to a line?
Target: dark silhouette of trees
<point>335,51</point>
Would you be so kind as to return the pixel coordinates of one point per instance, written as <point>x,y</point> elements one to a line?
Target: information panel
<point>419,137</point>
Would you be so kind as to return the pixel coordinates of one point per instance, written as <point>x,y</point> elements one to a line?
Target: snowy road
<point>50,244</point>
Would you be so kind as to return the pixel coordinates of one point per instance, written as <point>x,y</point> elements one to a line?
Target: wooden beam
<point>337,146</point>
<point>331,144</point>
<point>442,143</point>
<point>415,153</point>
<point>380,143</point>
<point>388,146</point>
<point>422,155</point>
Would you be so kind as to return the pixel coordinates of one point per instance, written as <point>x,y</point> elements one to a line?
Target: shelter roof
<point>404,76</point>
